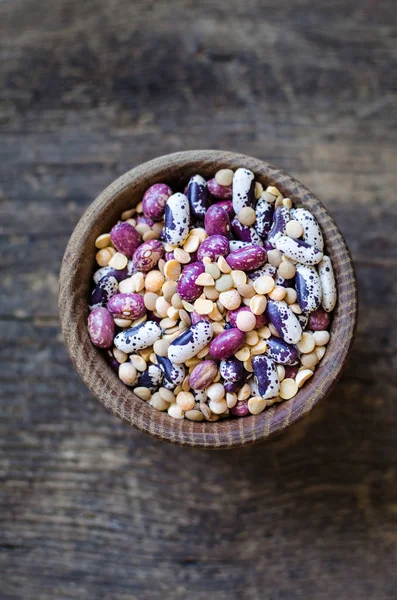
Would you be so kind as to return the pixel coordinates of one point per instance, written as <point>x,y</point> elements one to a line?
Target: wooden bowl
<point>76,283</point>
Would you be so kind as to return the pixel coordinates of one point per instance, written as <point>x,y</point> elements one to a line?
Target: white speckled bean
<point>327,279</point>
<point>177,219</point>
<point>266,376</point>
<point>243,189</point>
<point>308,288</point>
<point>311,230</point>
<point>190,342</point>
<point>284,320</point>
<point>236,245</point>
<point>139,337</point>
<point>299,251</point>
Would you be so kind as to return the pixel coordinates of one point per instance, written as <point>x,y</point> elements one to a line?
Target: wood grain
<point>90,508</point>
<point>75,284</point>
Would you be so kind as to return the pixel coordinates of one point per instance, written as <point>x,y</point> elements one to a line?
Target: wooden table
<point>89,508</point>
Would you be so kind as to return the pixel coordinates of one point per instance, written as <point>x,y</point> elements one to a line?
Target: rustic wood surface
<point>90,508</point>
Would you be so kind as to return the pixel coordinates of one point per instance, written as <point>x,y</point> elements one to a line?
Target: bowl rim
<point>103,382</point>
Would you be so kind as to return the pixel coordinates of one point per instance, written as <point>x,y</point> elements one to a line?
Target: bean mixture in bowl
<point>214,302</point>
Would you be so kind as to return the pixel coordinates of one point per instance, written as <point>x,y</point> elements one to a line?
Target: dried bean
<point>139,337</point>
<point>243,189</point>
<point>148,255</point>
<point>217,221</point>
<point>231,370</point>
<point>328,284</point>
<point>266,375</point>
<point>125,238</point>
<point>245,233</point>
<point>319,320</point>
<point>281,217</point>
<point>197,194</point>
<point>311,230</point>
<point>106,287</point>
<point>155,200</point>
<point>221,192</point>
<point>101,327</point>
<point>282,352</point>
<point>284,321</point>
<point>130,306</point>
<point>248,258</point>
<point>298,250</point>
<point>187,288</point>
<point>227,344</point>
<point>203,375</point>
<point>190,342</point>
<point>213,247</point>
<point>177,219</point>
<point>308,288</point>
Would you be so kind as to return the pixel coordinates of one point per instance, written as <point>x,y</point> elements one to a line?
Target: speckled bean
<point>213,247</point>
<point>174,374</point>
<point>139,337</point>
<point>203,375</point>
<point>101,327</point>
<point>248,258</point>
<point>197,195</point>
<point>195,317</point>
<point>281,352</point>
<point>328,285</point>
<point>227,205</point>
<point>298,250</point>
<point>291,371</point>
<point>226,344</point>
<point>151,378</point>
<point>308,288</point>
<point>266,269</point>
<point>177,219</point>
<point>245,233</point>
<point>284,320</point>
<point>232,369</point>
<point>130,306</point>
<point>125,238</point>
<point>311,230</point>
<point>264,217</point>
<point>240,409</point>
<point>319,320</point>
<point>144,220</point>
<point>190,342</point>
<point>187,289</point>
<point>106,287</point>
<point>148,255</point>
<point>119,274</point>
<point>266,376</point>
<point>221,192</point>
<point>217,221</point>
<point>243,189</point>
<point>281,217</point>
<point>155,200</point>
<point>237,244</point>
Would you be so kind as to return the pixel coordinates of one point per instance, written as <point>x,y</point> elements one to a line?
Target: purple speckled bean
<point>143,220</point>
<point>187,289</point>
<point>284,320</point>
<point>240,409</point>
<point>126,306</point>
<point>266,269</point>
<point>264,217</point>
<point>195,317</point>
<point>308,288</point>
<point>232,386</point>
<point>261,320</point>
<point>232,369</point>
<point>266,376</point>
<point>125,238</point>
<point>227,205</point>
<point>155,199</point>
<point>119,274</point>
<point>245,233</point>
<point>319,320</point>
<point>197,195</point>
<point>105,288</point>
<point>227,344</point>
<point>114,364</point>
<point>248,258</point>
<point>101,327</point>
<point>222,192</point>
<point>151,378</point>
<point>148,255</point>
<point>217,221</point>
<point>169,256</point>
<point>281,217</point>
<point>203,375</point>
<point>281,352</point>
<point>213,247</point>
<point>291,371</point>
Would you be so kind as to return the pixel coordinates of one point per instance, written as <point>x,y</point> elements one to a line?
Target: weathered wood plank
<point>88,507</point>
